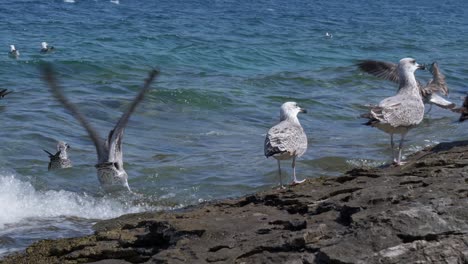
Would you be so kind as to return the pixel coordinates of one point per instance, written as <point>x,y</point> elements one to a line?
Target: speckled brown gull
<point>399,113</point>
<point>60,159</point>
<point>110,170</point>
<point>287,139</point>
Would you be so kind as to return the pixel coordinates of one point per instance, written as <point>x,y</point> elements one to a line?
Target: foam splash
<point>19,200</point>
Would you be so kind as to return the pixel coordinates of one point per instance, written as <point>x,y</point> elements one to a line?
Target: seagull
<point>110,170</point>
<point>13,51</point>
<point>462,110</point>
<point>399,113</point>
<point>328,35</point>
<point>60,159</point>
<point>287,139</point>
<point>4,92</point>
<point>45,48</point>
<point>389,71</point>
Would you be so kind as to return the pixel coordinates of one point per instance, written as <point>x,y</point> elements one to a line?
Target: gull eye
<point>413,61</point>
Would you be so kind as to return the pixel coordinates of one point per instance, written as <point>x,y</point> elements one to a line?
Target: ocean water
<point>226,67</point>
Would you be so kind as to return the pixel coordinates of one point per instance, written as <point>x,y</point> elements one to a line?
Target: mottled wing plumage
<point>381,69</point>
<point>56,162</point>
<point>285,139</point>
<point>437,84</point>
<point>401,110</point>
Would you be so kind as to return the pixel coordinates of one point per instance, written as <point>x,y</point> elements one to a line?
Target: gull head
<point>44,45</point>
<point>409,65</point>
<point>289,110</point>
<point>12,48</point>
<point>62,147</point>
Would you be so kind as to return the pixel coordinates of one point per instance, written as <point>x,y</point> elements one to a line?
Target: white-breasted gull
<point>287,139</point>
<point>399,113</point>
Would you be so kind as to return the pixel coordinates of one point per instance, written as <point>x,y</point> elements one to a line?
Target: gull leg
<point>279,173</point>
<point>392,144</point>
<point>295,181</point>
<point>400,148</point>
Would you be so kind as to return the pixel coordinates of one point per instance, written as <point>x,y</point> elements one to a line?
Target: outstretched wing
<point>381,69</point>
<point>56,90</point>
<point>437,84</point>
<point>114,140</point>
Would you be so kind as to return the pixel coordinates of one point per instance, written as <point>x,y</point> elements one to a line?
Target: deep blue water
<point>226,67</point>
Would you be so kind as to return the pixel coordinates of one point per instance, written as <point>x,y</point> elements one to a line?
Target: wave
<point>19,201</point>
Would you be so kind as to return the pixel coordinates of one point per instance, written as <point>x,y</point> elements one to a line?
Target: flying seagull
<point>110,170</point>
<point>60,159</point>
<point>287,139</point>
<point>389,71</point>
<point>399,113</point>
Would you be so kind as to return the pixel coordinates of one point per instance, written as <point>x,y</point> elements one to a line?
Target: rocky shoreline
<point>417,213</point>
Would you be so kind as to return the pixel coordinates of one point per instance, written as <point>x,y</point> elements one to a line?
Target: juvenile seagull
<point>287,139</point>
<point>60,159</point>
<point>399,113</point>
<point>4,92</point>
<point>110,170</point>
<point>13,51</point>
<point>45,48</point>
<point>389,71</point>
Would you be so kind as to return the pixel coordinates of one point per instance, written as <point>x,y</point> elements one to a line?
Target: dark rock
<point>416,213</point>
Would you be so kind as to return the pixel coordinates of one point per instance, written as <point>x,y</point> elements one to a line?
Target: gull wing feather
<point>381,69</point>
<point>56,90</point>
<point>437,84</point>
<point>114,140</point>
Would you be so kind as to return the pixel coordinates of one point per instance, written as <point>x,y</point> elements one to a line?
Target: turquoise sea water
<point>226,67</point>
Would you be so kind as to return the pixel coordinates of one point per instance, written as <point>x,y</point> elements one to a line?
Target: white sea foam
<point>19,201</point>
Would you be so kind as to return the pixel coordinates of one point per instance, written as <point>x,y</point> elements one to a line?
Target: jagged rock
<point>417,213</point>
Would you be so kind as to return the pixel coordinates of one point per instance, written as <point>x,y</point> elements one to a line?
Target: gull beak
<point>422,66</point>
<point>303,111</point>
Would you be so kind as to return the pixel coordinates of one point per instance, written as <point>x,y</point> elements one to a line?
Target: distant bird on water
<point>45,47</point>
<point>110,170</point>
<point>389,71</point>
<point>14,52</point>
<point>4,92</point>
<point>287,139</point>
<point>399,113</point>
<point>60,159</point>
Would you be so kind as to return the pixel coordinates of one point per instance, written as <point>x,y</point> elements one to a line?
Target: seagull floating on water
<point>287,139</point>
<point>4,92</point>
<point>110,170</point>
<point>389,71</point>
<point>399,113</point>
<point>13,51</point>
<point>45,47</point>
<point>60,159</point>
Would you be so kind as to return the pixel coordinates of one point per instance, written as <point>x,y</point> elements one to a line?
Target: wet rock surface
<point>416,213</point>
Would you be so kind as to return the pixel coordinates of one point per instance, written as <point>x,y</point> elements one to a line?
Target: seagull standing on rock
<point>287,139</point>
<point>60,160</point>
<point>110,170</point>
<point>390,71</point>
<point>399,113</point>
